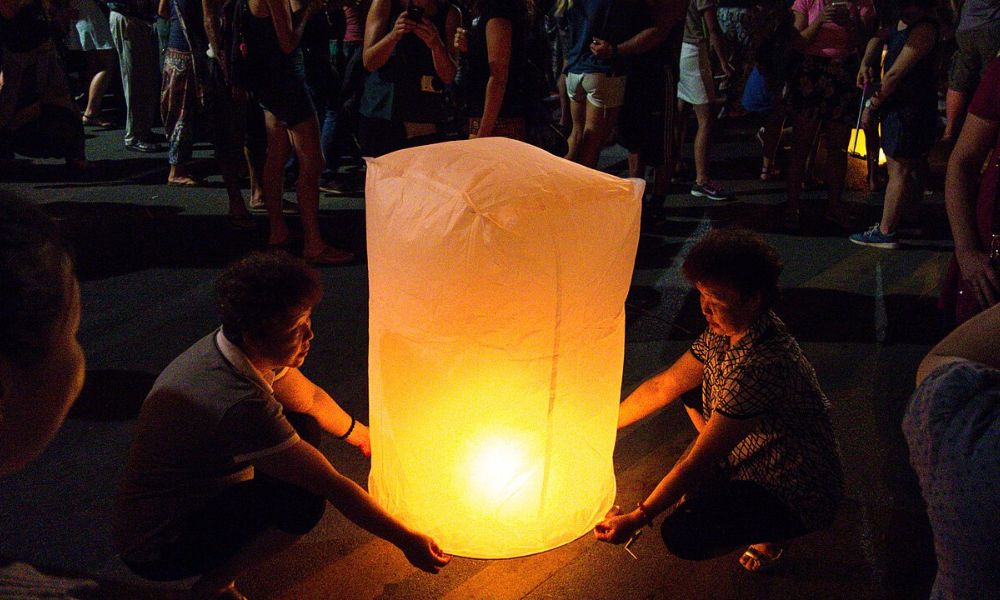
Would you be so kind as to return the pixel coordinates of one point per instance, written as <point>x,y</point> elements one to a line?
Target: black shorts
<point>725,515</point>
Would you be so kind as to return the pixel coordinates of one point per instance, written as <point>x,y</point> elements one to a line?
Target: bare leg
<point>599,122</point>
<point>837,137</point>
<point>803,133</point>
<point>100,63</point>
<point>955,103</point>
<point>578,117</point>
<point>702,141</point>
<point>771,138</point>
<point>305,141</point>
<point>278,147</point>
<point>896,193</point>
<point>268,545</point>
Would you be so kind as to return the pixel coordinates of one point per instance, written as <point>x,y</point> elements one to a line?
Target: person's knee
<point>684,538</point>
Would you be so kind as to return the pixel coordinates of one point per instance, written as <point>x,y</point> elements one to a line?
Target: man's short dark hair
<point>256,293</point>
<point>738,258</point>
<point>35,265</point>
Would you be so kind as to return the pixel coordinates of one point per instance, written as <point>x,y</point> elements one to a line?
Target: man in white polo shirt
<point>224,472</point>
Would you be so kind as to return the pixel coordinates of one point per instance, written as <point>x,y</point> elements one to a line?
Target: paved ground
<point>148,254</point>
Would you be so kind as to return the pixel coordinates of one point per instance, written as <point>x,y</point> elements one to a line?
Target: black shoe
<point>141,146</point>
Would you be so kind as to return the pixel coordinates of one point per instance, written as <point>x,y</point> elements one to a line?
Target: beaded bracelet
<point>349,429</point>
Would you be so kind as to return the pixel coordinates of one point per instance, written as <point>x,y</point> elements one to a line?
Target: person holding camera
<point>409,64</point>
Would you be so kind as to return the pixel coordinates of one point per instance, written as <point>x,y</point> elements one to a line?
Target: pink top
<point>832,40</point>
<point>355,24</point>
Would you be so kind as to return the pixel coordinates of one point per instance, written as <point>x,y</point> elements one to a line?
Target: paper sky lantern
<point>498,275</point>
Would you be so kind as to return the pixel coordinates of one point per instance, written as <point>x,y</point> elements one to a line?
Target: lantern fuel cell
<point>498,275</point>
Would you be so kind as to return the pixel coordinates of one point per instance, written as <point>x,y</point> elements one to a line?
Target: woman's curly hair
<point>258,292</point>
<point>738,258</point>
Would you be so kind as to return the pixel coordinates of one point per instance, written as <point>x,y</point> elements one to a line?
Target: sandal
<point>330,256</point>
<point>287,206</point>
<point>770,172</point>
<point>185,181</point>
<point>755,561</point>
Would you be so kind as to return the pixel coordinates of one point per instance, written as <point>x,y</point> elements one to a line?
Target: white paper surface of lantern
<point>498,275</point>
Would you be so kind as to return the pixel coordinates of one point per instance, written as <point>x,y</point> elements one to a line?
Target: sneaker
<point>710,190</point>
<point>875,238</point>
<point>142,146</point>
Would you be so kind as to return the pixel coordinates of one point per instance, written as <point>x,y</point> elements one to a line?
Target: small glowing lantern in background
<point>857,148</point>
<point>498,275</point>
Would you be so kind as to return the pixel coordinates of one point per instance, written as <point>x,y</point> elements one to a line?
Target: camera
<point>414,13</point>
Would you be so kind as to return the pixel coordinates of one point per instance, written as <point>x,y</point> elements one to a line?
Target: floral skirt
<point>824,89</point>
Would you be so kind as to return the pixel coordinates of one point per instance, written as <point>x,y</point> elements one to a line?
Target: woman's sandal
<point>95,121</point>
<point>770,173</point>
<point>755,561</point>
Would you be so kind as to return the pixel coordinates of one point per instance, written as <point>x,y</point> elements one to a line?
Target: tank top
<point>407,88</point>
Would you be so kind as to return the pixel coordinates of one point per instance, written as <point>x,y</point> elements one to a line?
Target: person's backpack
<point>233,41</point>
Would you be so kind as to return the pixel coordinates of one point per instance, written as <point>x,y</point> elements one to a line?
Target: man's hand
<point>866,75</point>
<point>602,49</point>
<point>360,439</point>
<point>424,553</point>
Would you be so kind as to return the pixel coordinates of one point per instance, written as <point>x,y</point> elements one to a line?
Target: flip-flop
<point>762,561</point>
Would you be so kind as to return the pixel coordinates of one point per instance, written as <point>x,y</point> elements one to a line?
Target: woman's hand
<point>428,33</point>
<point>616,527</point>
<point>401,27</point>
<point>424,553</point>
<point>867,117</point>
<point>979,274</point>
<point>866,75</point>
<point>360,439</point>
<point>461,40</point>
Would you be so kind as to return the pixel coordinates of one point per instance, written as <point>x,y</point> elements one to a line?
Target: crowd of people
<point>290,91</point>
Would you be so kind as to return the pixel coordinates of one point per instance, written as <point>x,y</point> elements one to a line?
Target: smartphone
<point>414,13</point>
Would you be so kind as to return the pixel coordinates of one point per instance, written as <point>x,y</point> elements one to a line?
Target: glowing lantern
<point>857,149</point>
<point>498,275</point>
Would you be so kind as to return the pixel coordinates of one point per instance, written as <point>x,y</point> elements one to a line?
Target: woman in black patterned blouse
<point>765,466</point>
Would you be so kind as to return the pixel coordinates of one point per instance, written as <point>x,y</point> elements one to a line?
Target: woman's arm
<point>445,64</point>
<point>918,45</point>
<point>871,62</point>
<point>806,29</point>
<point>978,339</point>
<point>288,28</point>
<point>720,436</point>
<point>662,389</point>
<point>498,44</point>
<point>164,9</point>
<point>380,41</point>
<point>960,190</point>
